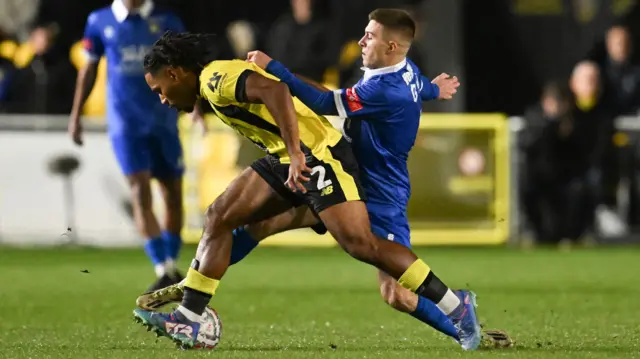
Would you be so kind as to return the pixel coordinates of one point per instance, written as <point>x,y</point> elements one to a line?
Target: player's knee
<point>141,194</point>
<point>361,246</point>
<point>175,215</point>
<point>218,218</point>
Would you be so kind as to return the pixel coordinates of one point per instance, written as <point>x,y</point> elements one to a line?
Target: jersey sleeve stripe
<point>337,97</point>
<point>254,120</point>
<point>241,91</point>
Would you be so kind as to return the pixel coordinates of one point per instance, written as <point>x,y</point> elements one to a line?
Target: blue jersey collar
<point>121,12</point>
<point>369,73</point>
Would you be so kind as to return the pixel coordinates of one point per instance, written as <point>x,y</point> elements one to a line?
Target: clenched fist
<point>448,86</point>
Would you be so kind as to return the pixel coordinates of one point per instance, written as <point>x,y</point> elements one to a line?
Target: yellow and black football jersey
<point>222,83</point>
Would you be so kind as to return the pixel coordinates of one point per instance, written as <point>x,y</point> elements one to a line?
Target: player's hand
<point>297,172</point>
<point>448,85</point>
<point>259,58</point>
<point>75,130</point>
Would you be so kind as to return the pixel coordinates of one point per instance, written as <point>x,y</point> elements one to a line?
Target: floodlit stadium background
<point>464,166</point>
<point>71,262</point>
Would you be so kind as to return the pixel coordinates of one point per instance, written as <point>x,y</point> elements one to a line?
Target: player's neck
<point>392,61</point>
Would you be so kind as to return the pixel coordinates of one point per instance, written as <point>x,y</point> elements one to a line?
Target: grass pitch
<point>318,303</point>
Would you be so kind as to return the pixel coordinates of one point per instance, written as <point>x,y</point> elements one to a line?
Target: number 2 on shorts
<point>321,171</point>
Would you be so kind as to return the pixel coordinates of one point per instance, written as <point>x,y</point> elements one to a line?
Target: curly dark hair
<point>188,50</point>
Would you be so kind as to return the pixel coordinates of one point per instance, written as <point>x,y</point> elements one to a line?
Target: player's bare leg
<point>142,203</point>
<point>249,198</point>
<point>398,297</point>
<point>173,222</point>
<point>404,300</point>
<point>349,224</point>
<point>293,218</point>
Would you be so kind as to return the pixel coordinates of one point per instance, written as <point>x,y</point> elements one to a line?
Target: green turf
<point>288,303</point>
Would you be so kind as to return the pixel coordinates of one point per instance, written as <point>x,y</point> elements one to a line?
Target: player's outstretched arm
<point>310,82</point>
<point>84,84</point>
<point>321,102</point>
<point>275,96</point>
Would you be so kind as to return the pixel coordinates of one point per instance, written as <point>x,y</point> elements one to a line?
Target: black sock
<point>432,288</point>
<point>195,300</point>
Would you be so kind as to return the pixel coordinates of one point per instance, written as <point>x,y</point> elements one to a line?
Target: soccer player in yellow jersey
<point>307,163</point>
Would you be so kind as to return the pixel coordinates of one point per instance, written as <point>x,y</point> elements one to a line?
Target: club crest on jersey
<point>109,31</point>
<point>353,101</point>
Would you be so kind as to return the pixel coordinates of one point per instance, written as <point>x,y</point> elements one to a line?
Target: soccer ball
<point>210,330</point>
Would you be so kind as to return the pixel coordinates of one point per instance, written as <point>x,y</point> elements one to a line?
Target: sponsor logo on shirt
<point>131,59</point>
<point>353,101</point>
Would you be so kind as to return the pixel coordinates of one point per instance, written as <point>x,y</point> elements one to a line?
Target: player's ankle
<point>170,266</point>
<point>160,270</point>
<point>195,301</point>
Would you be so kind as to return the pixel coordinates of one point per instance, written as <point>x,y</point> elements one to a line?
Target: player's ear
<point>392,46</point>
<point>171,73</point>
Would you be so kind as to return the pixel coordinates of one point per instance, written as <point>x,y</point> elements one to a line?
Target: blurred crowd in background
<point>40,49</point>
<point>573,160</point>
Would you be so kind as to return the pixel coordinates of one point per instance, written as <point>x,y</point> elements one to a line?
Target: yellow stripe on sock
<point>415,275</point>
<point>196,280</point>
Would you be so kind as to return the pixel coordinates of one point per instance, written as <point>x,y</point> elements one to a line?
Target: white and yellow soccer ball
<point>210,330</point>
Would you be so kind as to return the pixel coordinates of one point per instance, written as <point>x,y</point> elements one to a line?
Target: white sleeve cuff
<point>337,97</point>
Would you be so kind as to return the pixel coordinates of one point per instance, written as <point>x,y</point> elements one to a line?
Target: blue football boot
<point>172,325</point>
<point>466,322</point>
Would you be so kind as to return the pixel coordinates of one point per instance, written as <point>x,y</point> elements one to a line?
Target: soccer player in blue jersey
<point>382,113</point>
<point>143,132</point>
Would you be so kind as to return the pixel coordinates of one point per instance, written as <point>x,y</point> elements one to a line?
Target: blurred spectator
<point>16,17</point>
<point>46,85</point>
<point>7,71</point>
<point>592,109</point>
<point>69,16</point>
<point>300,41</point>
<point>567,145</point>
<point>621,78</point>
<point>556,144</point>
<point>242,38</point>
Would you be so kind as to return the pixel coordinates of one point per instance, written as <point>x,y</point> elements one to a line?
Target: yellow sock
<point>195,280</point>
<point>415,275</point>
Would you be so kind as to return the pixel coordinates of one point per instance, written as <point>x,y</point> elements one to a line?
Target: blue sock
<point>172,244</point>
<point>154,248</point>
<point>243,244</point>
<point>428,313</point>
